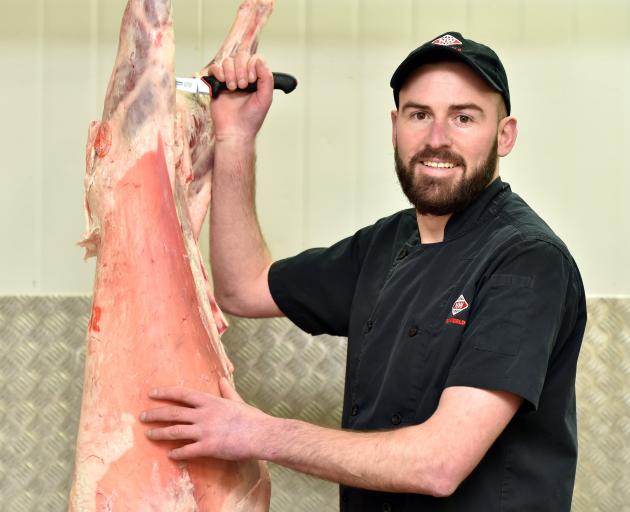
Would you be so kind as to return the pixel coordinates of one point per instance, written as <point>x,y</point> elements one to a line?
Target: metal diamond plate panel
<point>283,371</point>
<point>41,368</point>
<point>603,398</point>
<point>287,373</point>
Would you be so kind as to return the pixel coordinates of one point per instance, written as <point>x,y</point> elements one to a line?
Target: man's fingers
<point>240,67</point>
<point>174,394</point>
<point>216,71</point>
<point>227,391</point>
<point>251,68</point>
<point>174,433</point>
<point>229,72</point>
<point>169,413</point>
<point>189,451</point>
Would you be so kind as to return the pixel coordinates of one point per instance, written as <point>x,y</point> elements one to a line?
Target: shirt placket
<point>410,247</point>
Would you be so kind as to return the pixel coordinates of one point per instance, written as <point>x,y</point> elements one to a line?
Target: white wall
<point>325,161</point>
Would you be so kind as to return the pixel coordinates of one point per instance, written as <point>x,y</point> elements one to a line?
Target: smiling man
<point>464,315</point>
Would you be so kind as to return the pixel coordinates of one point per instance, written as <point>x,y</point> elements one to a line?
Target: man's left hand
<point>220,427</point>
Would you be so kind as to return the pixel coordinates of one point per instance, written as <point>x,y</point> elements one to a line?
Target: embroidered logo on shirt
<point>459,305</point>
<point>446,40</point>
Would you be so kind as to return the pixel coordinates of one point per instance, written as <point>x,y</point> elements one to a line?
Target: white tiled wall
<point>325,161</point>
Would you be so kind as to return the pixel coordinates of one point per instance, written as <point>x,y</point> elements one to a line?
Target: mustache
<point>438,154</point>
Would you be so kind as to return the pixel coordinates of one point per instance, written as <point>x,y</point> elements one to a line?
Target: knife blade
<point>212,86</point>
<point>192,85</point>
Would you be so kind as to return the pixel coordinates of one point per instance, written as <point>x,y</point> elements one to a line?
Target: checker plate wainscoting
<point>281,370</point>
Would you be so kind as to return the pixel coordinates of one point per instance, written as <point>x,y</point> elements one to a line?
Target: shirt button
<point>355,410</point>
<point>402,253</point>
<point>387,507</point>
<point>396,419</point>
<point>412,331</point>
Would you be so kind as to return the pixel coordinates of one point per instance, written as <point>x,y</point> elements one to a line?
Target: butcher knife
<point>210,85</point>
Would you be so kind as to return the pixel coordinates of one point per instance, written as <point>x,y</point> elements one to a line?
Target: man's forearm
<point>392,461</point>
<point>432,458</point>
<point>238,251</point>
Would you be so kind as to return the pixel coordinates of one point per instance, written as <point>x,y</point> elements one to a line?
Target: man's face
<point>445,137</point>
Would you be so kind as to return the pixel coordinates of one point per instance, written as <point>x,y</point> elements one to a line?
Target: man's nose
<point>440,136</point>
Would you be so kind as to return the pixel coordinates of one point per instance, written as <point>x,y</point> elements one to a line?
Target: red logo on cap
<point>447,40</point>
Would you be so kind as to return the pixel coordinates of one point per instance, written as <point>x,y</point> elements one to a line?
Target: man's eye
<point>420,115</point>
<point>464,119</point>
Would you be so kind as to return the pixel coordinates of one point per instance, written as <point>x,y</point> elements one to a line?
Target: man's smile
<point>437,169</point>
<point>438,165</point>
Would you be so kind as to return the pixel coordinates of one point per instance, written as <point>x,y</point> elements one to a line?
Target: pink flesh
<point>154,320</point>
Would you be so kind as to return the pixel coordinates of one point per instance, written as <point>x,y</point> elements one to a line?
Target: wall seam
<point>38,242</point>
<point>306,165</point>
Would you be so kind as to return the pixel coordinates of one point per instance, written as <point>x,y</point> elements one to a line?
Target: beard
<point>442,196</point>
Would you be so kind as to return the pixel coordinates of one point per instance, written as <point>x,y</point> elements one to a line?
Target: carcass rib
<point>154,321</point>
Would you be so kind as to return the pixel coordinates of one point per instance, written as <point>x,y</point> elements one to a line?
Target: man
<point>464,315</point>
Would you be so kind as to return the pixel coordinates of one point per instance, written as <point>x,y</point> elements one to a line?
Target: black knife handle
<point>282,81</point>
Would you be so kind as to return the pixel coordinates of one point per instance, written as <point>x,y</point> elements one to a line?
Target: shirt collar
<point>479,211</point>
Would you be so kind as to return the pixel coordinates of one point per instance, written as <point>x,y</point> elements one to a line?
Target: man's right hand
<point>238,115</point>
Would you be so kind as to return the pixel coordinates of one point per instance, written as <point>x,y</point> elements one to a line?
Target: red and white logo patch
<point>447,40</point>
<point>459,305</point>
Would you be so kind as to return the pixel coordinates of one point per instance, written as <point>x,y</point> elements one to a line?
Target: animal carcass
<point>154,321</point>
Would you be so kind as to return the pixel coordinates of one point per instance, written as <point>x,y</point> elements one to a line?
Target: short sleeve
<point>515,320</point>
<point>315,289</point>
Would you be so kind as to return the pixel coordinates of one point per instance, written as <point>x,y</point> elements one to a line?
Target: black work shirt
<point>499,304</point>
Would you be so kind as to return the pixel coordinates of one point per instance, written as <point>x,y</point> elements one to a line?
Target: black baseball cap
<point>453,46</point>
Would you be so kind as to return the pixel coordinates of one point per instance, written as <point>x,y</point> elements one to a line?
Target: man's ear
<point>506,135</point>
<point>394,115</point>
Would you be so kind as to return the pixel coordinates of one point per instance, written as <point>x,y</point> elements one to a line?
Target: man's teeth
<point>441,165</point>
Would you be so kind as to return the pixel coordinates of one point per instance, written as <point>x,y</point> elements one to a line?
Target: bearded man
<point>464,315</point>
